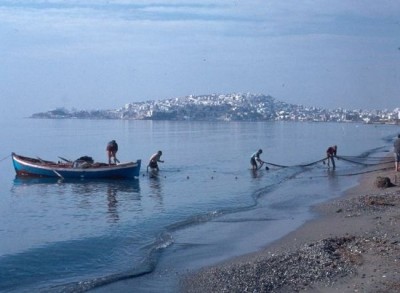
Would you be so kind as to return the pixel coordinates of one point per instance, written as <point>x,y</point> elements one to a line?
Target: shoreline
<point>352,246</point>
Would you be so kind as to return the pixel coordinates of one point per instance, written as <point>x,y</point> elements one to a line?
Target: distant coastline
<point>226,107</point>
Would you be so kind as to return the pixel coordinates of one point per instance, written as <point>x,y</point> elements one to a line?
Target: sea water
<point>204,206</point>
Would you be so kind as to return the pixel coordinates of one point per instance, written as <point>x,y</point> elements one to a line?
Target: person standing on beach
<point>256,158</point>
<point>331,154</point>
<point>153,163</point>
<point>397,153</point>
<point>112,149</point>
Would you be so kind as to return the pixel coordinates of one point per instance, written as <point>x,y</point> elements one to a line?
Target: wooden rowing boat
<point>79,169</point>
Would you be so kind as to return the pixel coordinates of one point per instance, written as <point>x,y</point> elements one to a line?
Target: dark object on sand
<point>383,182</point>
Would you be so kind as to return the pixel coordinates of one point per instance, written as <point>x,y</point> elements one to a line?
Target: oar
<point>55,172</point>
<point>58,174</point>
<point>43,161</point>
<point>66,160</point>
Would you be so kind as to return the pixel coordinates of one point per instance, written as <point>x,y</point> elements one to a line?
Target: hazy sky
<point>98,54</point>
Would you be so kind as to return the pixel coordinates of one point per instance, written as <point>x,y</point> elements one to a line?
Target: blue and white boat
<point>36,167</point>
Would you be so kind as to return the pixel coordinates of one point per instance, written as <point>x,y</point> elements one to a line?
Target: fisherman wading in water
<point>153,163</point>
<point>330,155</point>
<point>256,158</point>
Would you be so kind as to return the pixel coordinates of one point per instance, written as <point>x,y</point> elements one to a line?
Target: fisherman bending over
<point>153,163</point>
<point>256,158</point>
<point>112,149</point>
<point>331,154</point>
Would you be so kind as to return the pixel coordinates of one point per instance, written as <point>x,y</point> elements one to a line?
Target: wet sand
<point>353,246</point>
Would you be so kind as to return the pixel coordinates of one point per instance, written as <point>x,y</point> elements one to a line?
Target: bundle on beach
<point>383,182</point>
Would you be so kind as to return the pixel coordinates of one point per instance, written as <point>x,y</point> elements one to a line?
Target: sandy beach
<point>352,246</point>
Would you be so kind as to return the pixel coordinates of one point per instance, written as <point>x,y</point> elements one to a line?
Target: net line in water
<point>367,162</point>
<point>351,159</point>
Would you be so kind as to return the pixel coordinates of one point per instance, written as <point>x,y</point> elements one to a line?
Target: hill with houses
<point>228,107</point>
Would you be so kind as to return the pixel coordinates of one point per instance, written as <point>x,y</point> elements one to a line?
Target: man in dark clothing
<point>331,154</point>
<point>112,149</point>
<point>397,153</point>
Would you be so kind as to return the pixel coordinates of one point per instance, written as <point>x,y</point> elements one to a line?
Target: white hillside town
<point>226,107</point>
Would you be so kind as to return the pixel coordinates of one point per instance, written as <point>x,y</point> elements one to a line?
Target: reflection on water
<point>112,204</point>
<point>155,185</point>
<point>257,173</point>
<point>25,181</point>
<point>87,186</point>
<point>87,190</point>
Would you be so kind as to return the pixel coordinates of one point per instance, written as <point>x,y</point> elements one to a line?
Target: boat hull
<point>25,166</point>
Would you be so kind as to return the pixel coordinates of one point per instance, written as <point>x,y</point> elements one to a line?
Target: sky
<point>98,54</point>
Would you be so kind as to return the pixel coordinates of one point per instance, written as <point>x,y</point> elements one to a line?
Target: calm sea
<point>205,205</point>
